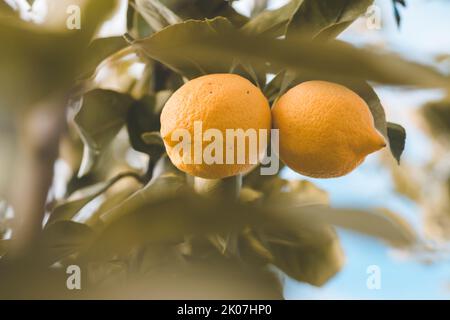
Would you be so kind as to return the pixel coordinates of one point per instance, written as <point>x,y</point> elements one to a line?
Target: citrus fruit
<point>325,129</point>
<point>218,103</point>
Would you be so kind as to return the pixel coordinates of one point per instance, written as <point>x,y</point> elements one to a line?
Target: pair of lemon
<point>325,129</point>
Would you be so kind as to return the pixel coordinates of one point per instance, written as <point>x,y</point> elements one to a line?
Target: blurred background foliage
<point>83,174</point>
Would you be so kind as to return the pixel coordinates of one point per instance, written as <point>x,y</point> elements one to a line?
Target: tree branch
<point>39,130</point>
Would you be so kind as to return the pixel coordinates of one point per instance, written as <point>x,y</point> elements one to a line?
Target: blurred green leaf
<point>381,223</point>
<point>275,87</point>
<point>112,200</point>
<point>6,9</point>
<point>157,15</point>
<point>165,212</point>
<point>4,245</point>
<point>315,18</point>
<point>99,50</point>
<point>258,7</point>
<point>69,208</point>
<point>207,51</point>
<point>309,253</point>
<point>101,116</point>
<point>249,195</point>
<point>42,61</point>
<point>253,73</point>
<point>272,23</point>
<point>167,183</point>
<point>171,47</point>
<point>324,19</point>
<point>296,193</point>
<point>60,240</point>
<point>209,9</point>
<point>397,138</point>
<point>437,114</point>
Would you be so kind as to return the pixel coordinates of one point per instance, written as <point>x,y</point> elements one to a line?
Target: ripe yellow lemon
<point>214,105</point>
<point>326,130</point>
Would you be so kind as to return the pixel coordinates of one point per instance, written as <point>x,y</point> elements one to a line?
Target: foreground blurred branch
<point>39,129</point>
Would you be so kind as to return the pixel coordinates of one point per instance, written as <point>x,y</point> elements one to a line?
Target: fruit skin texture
<point>326,130</point>
<point>220,101</point>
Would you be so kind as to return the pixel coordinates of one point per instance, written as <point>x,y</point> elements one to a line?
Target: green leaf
<point>37,63</point>
<point>112,201</point>
<point>69,208</point>
<point>295,193</point>
<point>143,118</point>
<point>279,85</point>
<point>309,253</point>
<point>381,223</point>
<point>157,15</point>
<point>312,18</point>
<point>437,114</point>
<point>60,240</point>
<point>209,9</point>
<point>6,9</point>
<point>258,7</point>
<point>273,88</point>
<point>171,47</point>
<point>325,19</point>
<point>99,50</point>
<point>272,23</point>
<point>397,138</point>
<point>332,60</point>
<point>255,73</point>
<point>4,245</point>
<point>101,116</point>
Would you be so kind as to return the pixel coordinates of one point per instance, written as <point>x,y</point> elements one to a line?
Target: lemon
<point>326,130</point>
<point>217,102</point>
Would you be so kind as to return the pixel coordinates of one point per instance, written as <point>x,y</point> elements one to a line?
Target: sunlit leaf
<point>171,47</point>
<point>381,224</point>
<point>99,50</point>
<point>275,87</point>
<point>314,18</point>
<point>60,240</point>
<point>274,22</point>
<point>111,202</point>
<point>325,19</point>
<point>101,116</point>
<point>211,51</point>
<point>201,9</point>
<point>297,193</point>
<point>156,14</point>
<point>68,209</point>
<point>309,253</point>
